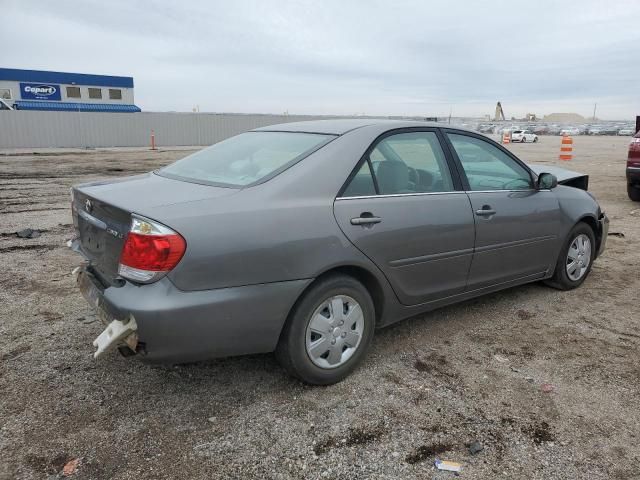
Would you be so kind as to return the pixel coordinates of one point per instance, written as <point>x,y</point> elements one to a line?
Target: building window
<point>73,92</point>
<point>115,94</point>
<point>95,93</point>
<point>5,93</point>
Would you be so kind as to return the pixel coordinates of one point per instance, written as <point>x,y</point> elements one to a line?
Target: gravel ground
<point>430,386</point>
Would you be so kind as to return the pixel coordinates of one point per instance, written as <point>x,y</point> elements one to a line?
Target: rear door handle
<point>365,220</point>
<point>485,211</point>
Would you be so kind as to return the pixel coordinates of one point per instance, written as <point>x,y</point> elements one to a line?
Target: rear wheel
<point>535,139</point>
<point>524,139</point>
<point>634,192</point>
<point>328,332</point>
<point>576,258</point>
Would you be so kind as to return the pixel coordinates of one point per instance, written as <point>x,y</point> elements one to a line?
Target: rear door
<point>405,209</point>
<point>516,225</point>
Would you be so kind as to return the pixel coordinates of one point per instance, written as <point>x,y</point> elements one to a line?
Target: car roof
<point>343,125</point>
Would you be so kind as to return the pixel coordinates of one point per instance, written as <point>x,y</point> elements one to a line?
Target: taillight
<point>150,251</point>
<point>633,159</point>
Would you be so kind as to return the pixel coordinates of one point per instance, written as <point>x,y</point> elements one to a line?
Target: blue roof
<point>75,107</point>
<point>41,76</point>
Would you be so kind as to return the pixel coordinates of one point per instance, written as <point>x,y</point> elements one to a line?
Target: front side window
<point>95,93</point>
<point>115,94</point>
<point>245,159</point>
<point>73,92</point>
<point>487,167</point>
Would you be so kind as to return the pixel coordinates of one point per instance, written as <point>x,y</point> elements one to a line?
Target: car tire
<point>524,139</point>
<point>634,192</point>
<point>300,346</point>
<point>562,279</point>
<point>535,139</point>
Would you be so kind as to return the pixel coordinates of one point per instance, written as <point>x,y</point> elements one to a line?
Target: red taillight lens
<point>633,160</point>
<point>150,251</point>
<point>156,253</point>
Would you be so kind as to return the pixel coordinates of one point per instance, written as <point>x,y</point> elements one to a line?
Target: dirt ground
<point>429,387</point>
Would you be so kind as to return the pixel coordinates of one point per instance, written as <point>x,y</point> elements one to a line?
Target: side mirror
<point>547,181</point>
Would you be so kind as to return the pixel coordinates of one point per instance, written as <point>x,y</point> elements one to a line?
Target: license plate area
<point>90,291</point>
<point>92,234</point>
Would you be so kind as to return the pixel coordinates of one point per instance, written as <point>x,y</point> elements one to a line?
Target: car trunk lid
<point>102,213</point>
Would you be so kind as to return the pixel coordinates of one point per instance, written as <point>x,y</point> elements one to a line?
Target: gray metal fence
<point>35,129</point>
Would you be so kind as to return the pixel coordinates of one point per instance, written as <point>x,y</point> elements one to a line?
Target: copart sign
<point>39,91</point>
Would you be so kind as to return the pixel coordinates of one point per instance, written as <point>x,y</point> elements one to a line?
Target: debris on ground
<point>616,234</point>
<point>448,466</point>
<point>501,358</point>
<point>28,233</point>
<point>475,447</point>
<point>71,467</point>
<point>546,387</point>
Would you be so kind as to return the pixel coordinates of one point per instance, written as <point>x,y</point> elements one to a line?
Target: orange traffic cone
<point>566,148</point>
<point>506,137</point>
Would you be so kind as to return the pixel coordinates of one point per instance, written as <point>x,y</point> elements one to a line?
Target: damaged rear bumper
<point>175,326</point>
<point>119,333</point>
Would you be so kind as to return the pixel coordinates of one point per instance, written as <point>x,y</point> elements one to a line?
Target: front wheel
<point>524,139</point>
<point>535,139</point>
<point>575,260</point>
<point>634,192</point>
<point>328,332</point>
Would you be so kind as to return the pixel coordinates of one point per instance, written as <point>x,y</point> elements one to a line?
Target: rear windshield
<point>245,159</point>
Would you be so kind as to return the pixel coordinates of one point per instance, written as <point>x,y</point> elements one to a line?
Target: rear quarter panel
<point>281,230</point>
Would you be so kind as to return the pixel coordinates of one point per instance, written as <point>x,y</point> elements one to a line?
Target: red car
<point>633,169</point>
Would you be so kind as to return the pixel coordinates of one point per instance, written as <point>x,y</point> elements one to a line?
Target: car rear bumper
<point>175,326</point>
<point>633,175</point>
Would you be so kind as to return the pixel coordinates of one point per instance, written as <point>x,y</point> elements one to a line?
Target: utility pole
<point>594,111</point>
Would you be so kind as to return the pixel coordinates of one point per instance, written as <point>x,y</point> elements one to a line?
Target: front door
<point>516,225</point>
<point>406,211</point>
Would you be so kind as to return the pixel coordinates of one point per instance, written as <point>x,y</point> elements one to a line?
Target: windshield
<point>245,159</point>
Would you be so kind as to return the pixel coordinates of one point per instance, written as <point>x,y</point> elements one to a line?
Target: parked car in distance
<point>570,131</point>
<point>626,131</point>
<point>303,238</point>
<point>633,169</point>
<point>523,136</point>
<point>540,130</point>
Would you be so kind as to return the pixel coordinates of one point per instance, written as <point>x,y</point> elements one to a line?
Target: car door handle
<point>485,211</point>
<point>366,220</point>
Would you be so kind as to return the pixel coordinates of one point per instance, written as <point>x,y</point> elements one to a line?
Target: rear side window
<point>403,163</point>
<point>245,159</point>
<point>411,163</point>
<point>361,184</point>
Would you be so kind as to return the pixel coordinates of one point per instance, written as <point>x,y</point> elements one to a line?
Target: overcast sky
<point>343,57</point>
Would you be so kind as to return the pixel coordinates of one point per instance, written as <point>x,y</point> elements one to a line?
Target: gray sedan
<point>303,238</point>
